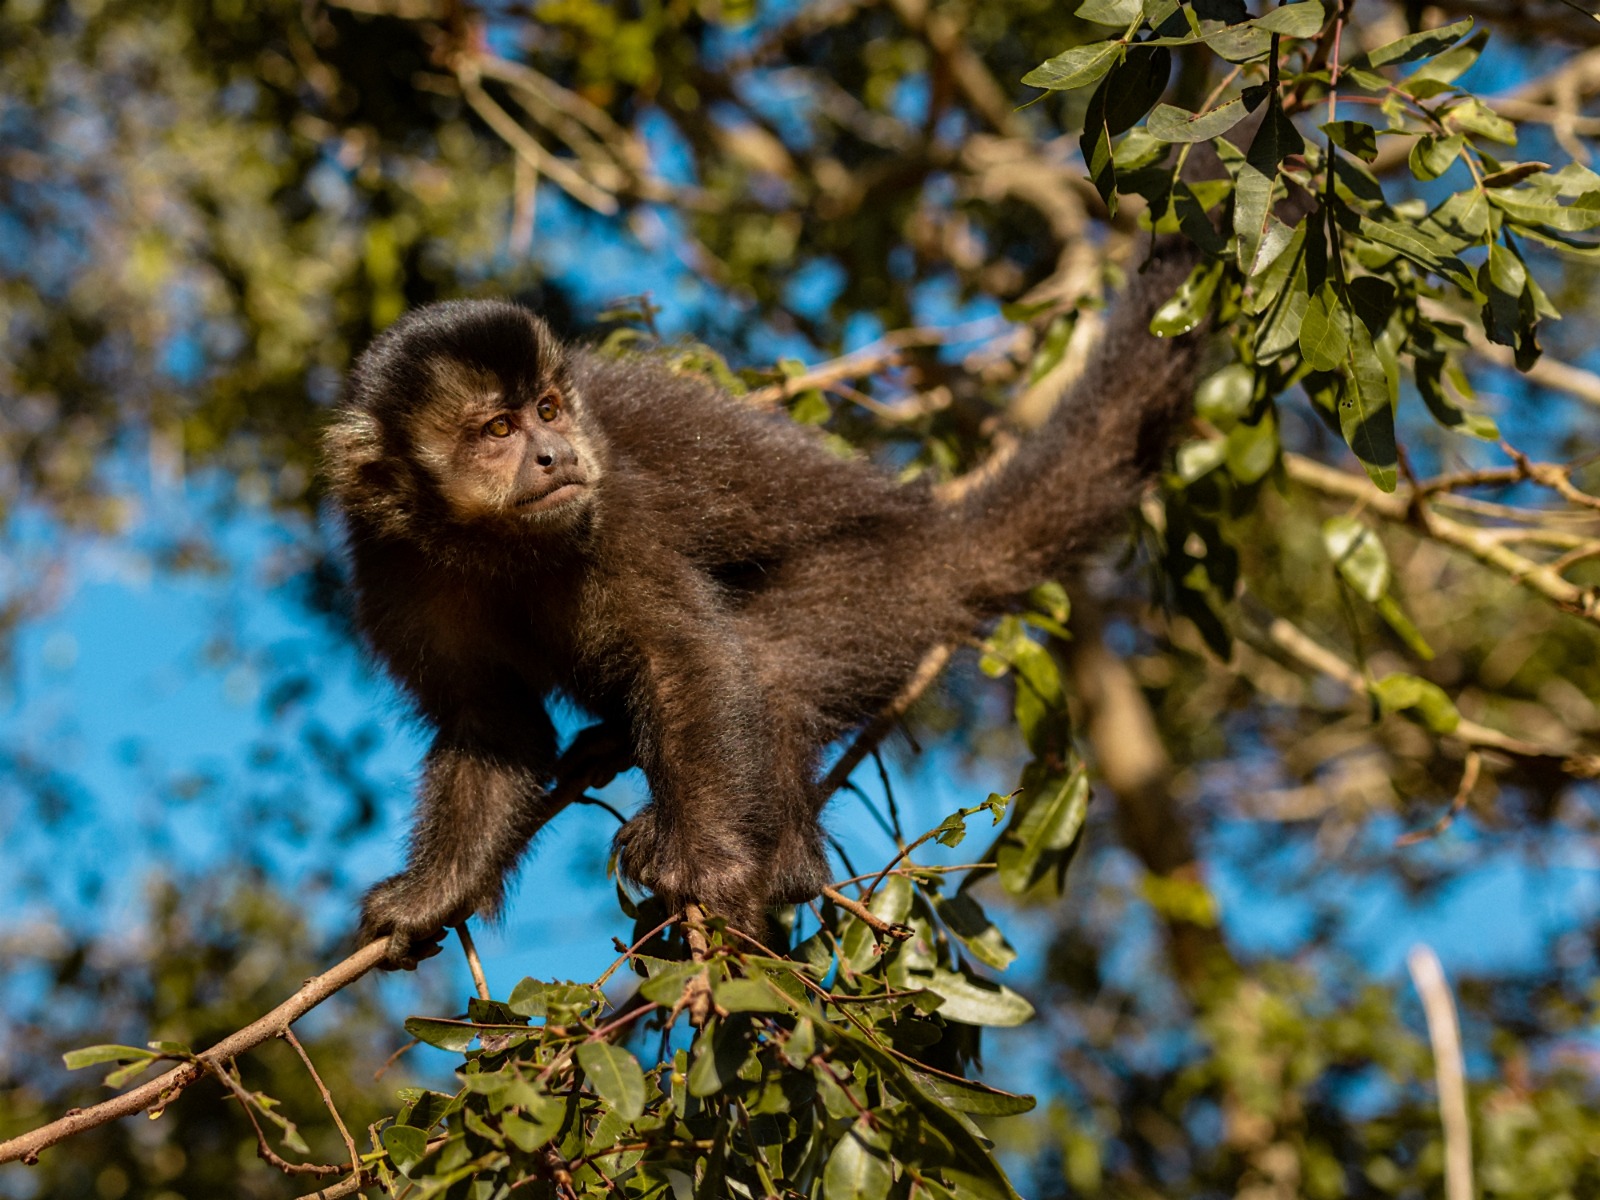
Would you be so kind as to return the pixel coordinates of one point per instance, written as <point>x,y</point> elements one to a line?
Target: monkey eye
<point>499,427</point>
<point>549,407</point>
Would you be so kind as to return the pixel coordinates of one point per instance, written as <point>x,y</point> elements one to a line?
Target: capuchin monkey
<point>527,518</point>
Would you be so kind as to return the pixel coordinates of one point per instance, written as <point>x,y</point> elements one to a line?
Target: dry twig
<point>327,1100</point>
<point>474,964</point>
<point>1449,1069</point>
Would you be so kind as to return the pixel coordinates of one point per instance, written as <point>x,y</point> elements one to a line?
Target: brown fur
<point>722,585</point>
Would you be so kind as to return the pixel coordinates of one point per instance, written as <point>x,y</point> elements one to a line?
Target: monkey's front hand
<point>713,868</point>
<point>402,909</point>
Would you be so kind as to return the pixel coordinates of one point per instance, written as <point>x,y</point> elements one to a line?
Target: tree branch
<point>158,1093</point>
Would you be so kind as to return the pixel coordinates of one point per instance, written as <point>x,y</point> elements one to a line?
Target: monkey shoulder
<point>727,481</point>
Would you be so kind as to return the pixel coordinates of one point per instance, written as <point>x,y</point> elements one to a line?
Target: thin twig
<point>927,671</point>
<point>634,949</point>
<point>1295,642</point>
<point>1449,1069</point>
<point>327,1100</point>
<point>880,928</point>
<point>158,1092</point>
<point>265,1152</point>
<point>1404,507</point>
<point>557,170</point>
<point>697,992</point>
<point>474,964</point>
<point>1469,780</point>
<point>869,360</point>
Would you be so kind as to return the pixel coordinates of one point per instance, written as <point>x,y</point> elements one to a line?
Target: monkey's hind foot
<point>716,871</point>
<point>415,928</point>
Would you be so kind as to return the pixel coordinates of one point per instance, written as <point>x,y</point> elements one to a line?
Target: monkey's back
<point>725,482</point>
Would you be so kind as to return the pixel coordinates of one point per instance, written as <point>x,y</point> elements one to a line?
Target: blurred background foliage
<point>206,209</point>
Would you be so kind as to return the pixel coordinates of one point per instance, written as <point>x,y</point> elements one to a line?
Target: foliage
<point>837,1070</point>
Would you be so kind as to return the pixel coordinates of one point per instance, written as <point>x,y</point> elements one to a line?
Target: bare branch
<point>1469,780</point>
<point>327,1100</point>
<point>1449,1069</point>
<point>1298,644</point>
<point>474,963</point>
<point>158,1093</point>
<point>1405,507</point>
<point>247,1101</point>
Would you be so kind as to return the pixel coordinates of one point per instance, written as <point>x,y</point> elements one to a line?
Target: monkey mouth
<point>564,492</point>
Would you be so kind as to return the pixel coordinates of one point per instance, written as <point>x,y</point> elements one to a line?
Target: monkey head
<point>464,415</point>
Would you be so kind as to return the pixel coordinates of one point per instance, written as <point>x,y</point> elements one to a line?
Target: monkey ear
<point>353,441</point>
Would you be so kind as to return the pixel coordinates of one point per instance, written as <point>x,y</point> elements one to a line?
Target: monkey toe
<point>415,929</point>
<point>717,873</point>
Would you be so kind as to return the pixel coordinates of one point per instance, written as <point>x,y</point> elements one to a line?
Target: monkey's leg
<point>480,802</point>
<point>708,833</point>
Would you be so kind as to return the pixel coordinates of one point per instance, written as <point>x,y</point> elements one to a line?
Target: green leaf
<point>1431,156</point>
<point>539,1120</point>
<point>1359,556</point>
<point>1197,459</point>
<point>1226,397</point>
<point>406,1146</point>
<point>719,1052</point>
<point>1119,13</point>
<point>1389,609</point>
<point>1356,137</point>
<point>1416,46</point>
<point>1427,701</point>
<point>1134,85</point>
<point>1261,236</point>
<point>1524,207</point>
<point>1046,830</point>
<point>747,995</point>
<point>1430,383</point>
<point>1252,450</point>
<point>1095,145</point>
<point>1276,138</point>
<point>1421,244</point>
<point>1194,221</point>
<point>1503,279</point>
<point>615,1074</point>
<point>1190,305</point>
<point>665,986</point>
<point>555,1001</point>
<point>966,919</point>
<point>88,1056</point>
<point>1301,20</point>
<point>970,1097</point>
<point>1325,330</point>
<point>1474,116</point>
<point>1170,123</point>
<point>975,1001</point>
<point>1447,67</point>
<point>1075,68</point>
<point>447,1035</point>
<point>1514,173</point>
<point>1366,410</point>
<point>858,1168</point>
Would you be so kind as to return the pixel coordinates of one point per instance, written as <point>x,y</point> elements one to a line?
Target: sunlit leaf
<point>615,1074</point>
<point>1075,68</point>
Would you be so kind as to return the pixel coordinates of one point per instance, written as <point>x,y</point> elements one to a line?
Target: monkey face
<point>464,413</point>
<point>515,458</point>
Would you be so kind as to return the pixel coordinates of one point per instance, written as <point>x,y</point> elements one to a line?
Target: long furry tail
<point>1072,480</point>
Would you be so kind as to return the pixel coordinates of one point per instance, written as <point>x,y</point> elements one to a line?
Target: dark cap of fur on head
<point>443,360</point>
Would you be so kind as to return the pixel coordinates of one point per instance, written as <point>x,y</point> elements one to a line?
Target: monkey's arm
<point>483,796</point>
